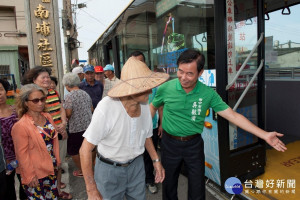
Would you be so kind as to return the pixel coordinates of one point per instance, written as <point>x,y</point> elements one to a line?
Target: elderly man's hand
<point>159,172</point>
<point>94,195</point>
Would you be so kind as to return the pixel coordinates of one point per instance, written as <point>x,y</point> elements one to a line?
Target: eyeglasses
<point>36,101</point>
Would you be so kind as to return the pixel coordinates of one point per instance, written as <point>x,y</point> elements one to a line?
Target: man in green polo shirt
<point>185,102</point>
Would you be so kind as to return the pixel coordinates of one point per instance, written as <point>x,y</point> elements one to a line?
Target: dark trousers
<point>22,193</point>
<point>148,161</point>
<point>3,184</point>
<point>7,186</point>
<point>191,153</point>
<point>10,192</point>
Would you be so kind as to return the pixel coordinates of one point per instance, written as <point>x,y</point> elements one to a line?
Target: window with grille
<point>4,69</point>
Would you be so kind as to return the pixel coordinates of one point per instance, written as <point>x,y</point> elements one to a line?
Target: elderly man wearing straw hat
<point>121,128</point>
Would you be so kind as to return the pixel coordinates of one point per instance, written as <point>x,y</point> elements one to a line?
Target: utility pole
<point>70,35</point>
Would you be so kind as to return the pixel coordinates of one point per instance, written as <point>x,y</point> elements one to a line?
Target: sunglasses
<point>35,101</point>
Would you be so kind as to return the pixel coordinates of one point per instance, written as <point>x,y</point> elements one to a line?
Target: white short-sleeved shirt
<point>119,137</point>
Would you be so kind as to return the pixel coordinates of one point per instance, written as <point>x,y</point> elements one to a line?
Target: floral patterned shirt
<point>50,130</point>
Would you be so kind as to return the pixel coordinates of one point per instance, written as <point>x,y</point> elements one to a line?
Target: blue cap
<point>88,68</point>
<point>109,67</point>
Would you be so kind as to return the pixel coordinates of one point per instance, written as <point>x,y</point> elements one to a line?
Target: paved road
<point>76,185</point>
<point>78,190</point>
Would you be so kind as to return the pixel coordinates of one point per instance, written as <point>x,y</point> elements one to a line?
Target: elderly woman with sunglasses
<point>41,76</point>
<point>36,144</point>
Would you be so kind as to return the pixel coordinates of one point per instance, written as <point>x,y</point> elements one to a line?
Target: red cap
<point>98,69</point>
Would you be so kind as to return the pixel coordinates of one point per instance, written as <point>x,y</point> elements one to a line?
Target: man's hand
<point>94,195</point>
<point>239,120</point>
<point>34,182</point>
<point>160,130</point>
<point>272,139</point>
<point>159,172</point>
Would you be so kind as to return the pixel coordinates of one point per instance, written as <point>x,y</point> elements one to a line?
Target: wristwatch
<point>156,160</point>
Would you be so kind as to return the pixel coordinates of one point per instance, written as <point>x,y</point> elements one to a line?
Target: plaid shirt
<point>108,84</point>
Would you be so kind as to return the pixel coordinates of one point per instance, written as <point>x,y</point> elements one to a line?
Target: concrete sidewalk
<point>78,190</point>
<point>76,186</point>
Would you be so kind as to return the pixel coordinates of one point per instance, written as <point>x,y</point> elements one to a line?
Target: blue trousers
<point>191,153</point>
<point>115,183</point>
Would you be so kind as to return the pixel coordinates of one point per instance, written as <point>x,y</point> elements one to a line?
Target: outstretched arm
<point>239,120</point>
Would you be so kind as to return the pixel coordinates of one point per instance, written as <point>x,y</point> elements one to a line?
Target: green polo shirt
<point>184,113</point>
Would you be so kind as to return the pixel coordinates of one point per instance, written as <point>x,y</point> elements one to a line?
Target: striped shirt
<point>53,106</point>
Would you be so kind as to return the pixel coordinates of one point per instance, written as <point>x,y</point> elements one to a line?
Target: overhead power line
<point>94,18</point>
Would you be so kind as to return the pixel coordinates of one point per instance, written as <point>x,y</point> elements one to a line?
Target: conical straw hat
<point>136,78</point>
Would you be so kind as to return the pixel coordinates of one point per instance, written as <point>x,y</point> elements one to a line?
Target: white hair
<point>71,80</point>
